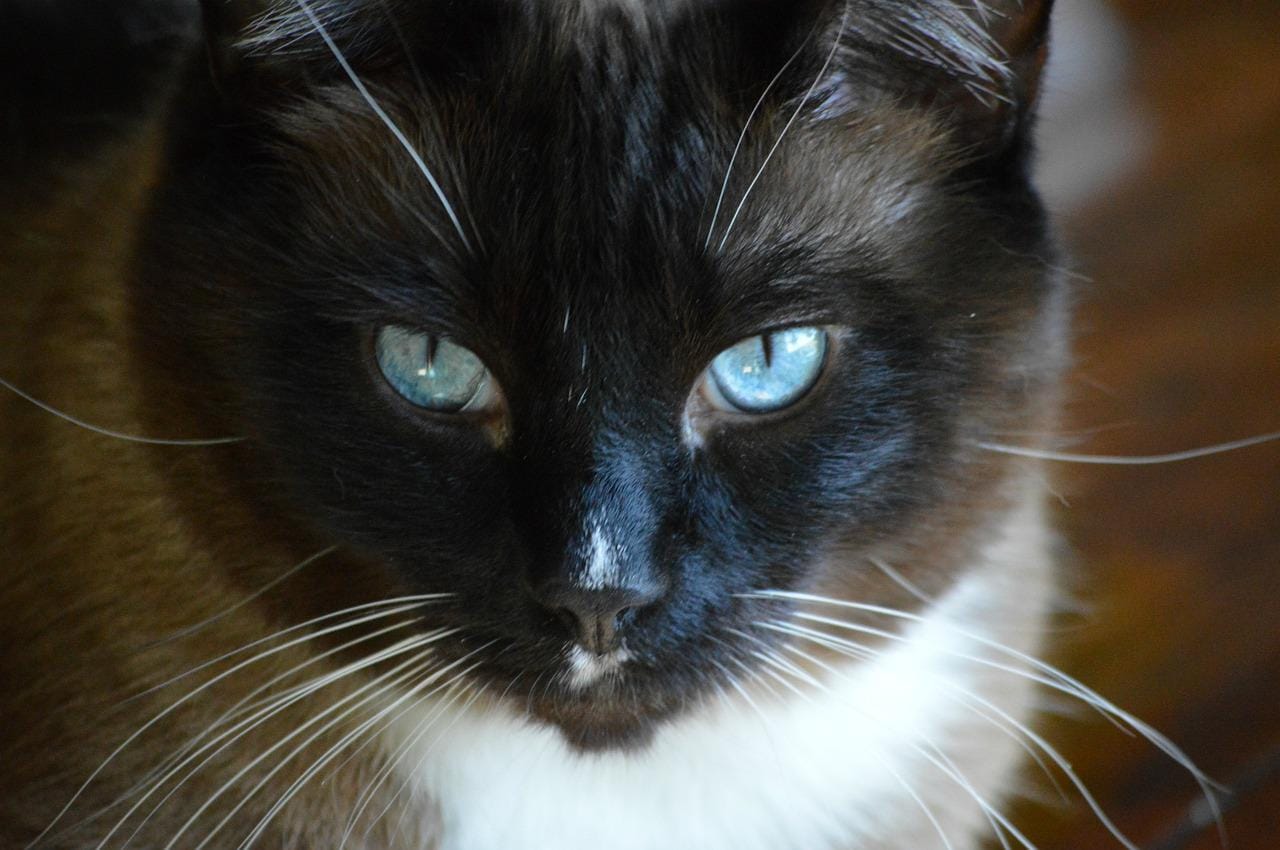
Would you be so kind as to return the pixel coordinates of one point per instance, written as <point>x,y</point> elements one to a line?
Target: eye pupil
<point>772,371</point>
<point>429,371</point>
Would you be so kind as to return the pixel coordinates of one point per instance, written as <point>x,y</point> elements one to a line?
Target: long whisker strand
<point>822,72</point>
<point>391,125</point>
<point>108,432</point>
<point>1131,460</point>
<point>273,707</point>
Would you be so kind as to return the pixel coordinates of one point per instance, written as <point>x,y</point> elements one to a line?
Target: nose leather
<point>599,616</point>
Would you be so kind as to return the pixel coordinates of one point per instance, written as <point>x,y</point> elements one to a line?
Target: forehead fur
<point>950,38</point>
<point>656,134</point>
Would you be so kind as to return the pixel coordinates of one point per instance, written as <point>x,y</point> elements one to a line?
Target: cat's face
<point>569,457</point>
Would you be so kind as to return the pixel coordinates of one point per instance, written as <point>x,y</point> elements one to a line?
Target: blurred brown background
<point>1177,567</point>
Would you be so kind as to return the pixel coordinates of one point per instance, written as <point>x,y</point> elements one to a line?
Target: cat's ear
<point>995,105</point>
<point>977,63</point>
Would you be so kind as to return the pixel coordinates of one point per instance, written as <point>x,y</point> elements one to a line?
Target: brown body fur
<point>107,565</point>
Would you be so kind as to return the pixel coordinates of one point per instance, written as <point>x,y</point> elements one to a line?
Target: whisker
<point>966,696</point>
<point>737,148</point>
<point>108,432</point>
<point>742,692</point>
<point>240,707</point>
<point>342,744</point>
<point>390,193</point>
<point>399,754</point>
<point>901,580</point>
<point>270,709</point>
<point>405,603</point>
<point>404,783</point>
<point>257,594</point>
<point>305,6</point>
<point>951,771</point>
<point>822,72</point>
<point>379,779</point>
<point>1131,460</point>
<point>1051,683</point>
<point>741,665</point>
<point>528,700</point>
<point>924,807</point>
<point>1053,678</point>
<point>1061,680</point>
<point>769,656</point>
<point>422,669</point>
<point>997,819</point>
<point>179,757</point>
<point>205,686</point>
<point>361,696</point>
<point>387,725</point>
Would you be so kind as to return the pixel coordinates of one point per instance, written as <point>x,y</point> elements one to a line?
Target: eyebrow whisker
<point>385,118</point>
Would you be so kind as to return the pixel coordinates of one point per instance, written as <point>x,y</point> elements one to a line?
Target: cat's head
<point>603,316</point>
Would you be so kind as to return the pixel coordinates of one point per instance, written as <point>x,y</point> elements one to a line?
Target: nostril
<point>595,617</point>
<point>596,627</point>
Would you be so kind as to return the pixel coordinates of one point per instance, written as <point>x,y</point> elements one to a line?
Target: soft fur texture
<point>878,757</point>
<point>823,614</point>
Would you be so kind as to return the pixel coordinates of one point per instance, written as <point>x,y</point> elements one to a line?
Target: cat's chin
<point>599,727</point>
<point>595,737</point>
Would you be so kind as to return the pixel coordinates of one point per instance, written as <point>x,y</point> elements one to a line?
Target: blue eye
<point>772,371</point>
<point>431,371</point>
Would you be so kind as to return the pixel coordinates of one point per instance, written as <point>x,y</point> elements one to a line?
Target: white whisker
<point>211,682</point>
<point>1131,460</point>
<point>1052,677</point>
<point>257,594</point>
<point>361,696</point>
<point>1046,681</point>
<point>822,72</point>
<point>901,580</point>
<point>165,771</point>
<point>355,752</point>
<point>991,815</point>
<point>737,148</point>
<point>108,432</point>
<point>384,117</point>
<point>342,744</point>
<point>365,798</point>
<point>396,758</point>
<point>1060,680</point>
<point>404,603</point>
<point>742,692</point>
<point>862,652</point>
<point>745,668</point>
<point>405,782</point>
<point>259,714</point>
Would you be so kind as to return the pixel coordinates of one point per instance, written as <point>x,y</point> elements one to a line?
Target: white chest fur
<point>891,754</point>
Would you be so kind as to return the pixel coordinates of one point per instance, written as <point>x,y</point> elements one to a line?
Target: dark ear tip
<point>1020,31</point>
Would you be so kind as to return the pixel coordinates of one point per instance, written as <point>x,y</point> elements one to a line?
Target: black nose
<point>598,616</point>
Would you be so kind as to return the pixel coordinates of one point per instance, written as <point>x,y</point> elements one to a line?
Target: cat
<point>558,423</point>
